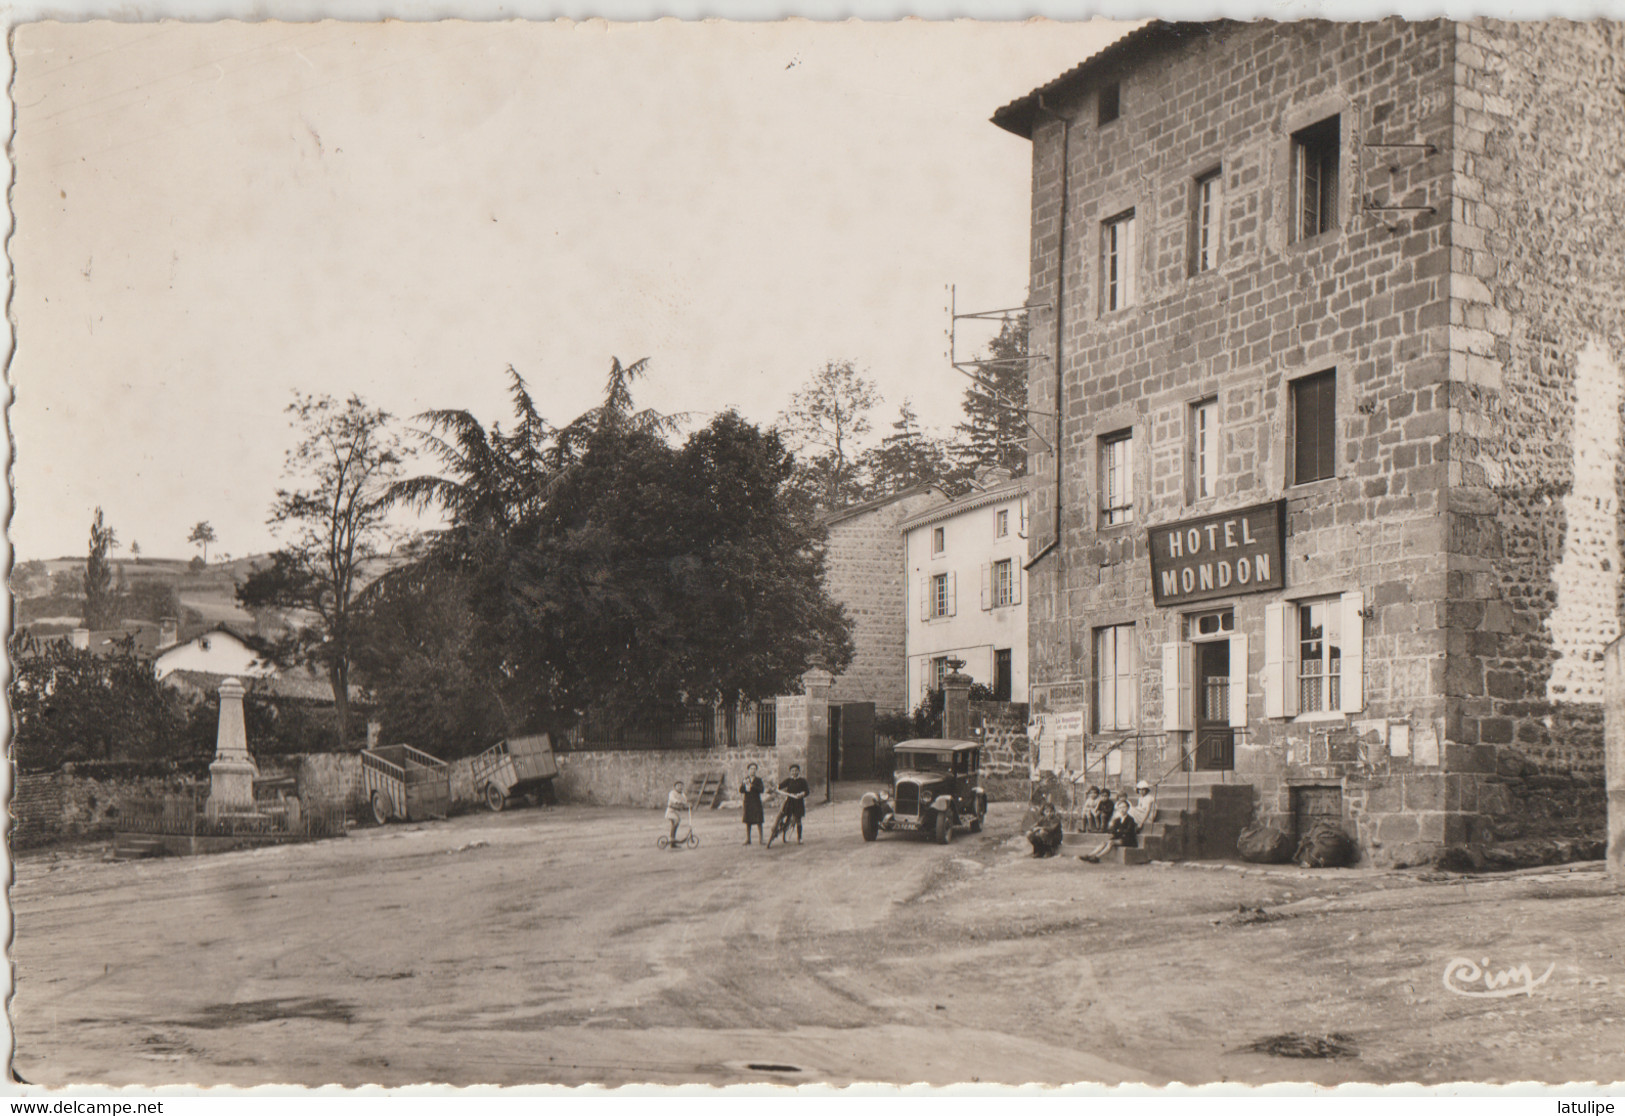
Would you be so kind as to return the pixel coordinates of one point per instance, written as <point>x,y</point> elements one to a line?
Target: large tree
<point>598,567</point>
<point>824,425</point>
<point>994,432</point>
<point>346,459</point>
<point>101,602</point>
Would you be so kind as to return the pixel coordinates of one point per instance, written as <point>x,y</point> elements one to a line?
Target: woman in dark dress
<point>751,790</point>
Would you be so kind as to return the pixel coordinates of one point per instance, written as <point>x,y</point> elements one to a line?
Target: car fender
<point>873,799</point>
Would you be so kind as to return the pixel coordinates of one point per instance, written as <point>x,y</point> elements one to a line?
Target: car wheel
<point>380,807</point>
<point>494,798</point>
<point>945,828</point>
<point>871,822</point>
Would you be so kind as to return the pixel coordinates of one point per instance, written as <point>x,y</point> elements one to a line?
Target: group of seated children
<point>1118,822</point>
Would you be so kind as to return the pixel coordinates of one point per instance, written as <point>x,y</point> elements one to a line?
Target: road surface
<point>559,945</point>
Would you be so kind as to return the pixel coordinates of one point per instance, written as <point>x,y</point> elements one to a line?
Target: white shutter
<point>1238,681</point>
<point>1353,683</point>
<point>953,594</point>
<point>1280,660</point>
<point>987,586</point>
<point>1016,574</point>
<point>925,597</point>
<point>1177,712</point>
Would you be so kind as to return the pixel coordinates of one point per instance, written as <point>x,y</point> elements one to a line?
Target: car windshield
<point>922,761</point>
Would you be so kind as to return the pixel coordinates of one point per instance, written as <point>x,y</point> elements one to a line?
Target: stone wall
<point>643,778</point>
<point>864,571</point>
<point>1537,344</point>
<point>82,801</point>
<point>1368,299</point>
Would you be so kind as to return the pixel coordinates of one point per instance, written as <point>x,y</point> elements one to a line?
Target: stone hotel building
<point>1329,501</point>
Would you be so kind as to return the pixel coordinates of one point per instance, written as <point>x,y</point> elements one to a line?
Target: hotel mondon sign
<point>1220,555</point>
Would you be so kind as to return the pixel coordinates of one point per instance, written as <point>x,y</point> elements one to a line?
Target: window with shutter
<point>1280,677</point>
<point>1116,680</point>
<point>1314,427</point>
<point>988,598</point>
<point>1314,178</point>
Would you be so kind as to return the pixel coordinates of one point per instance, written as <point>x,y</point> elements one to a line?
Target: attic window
<point>1109,103</point>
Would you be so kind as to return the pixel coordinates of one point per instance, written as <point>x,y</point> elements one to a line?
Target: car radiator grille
<point>908,799</point>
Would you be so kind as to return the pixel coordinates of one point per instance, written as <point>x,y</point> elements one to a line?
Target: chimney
<point>956,702</point>
<point>169,632</point>
<point>81,639</point>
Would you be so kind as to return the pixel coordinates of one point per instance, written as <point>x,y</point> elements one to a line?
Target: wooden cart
<point>521,767</point>
<point>405,784</point>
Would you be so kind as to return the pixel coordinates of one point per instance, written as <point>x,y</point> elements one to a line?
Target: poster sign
<point>1222,555</point>
<point>1064,725</point>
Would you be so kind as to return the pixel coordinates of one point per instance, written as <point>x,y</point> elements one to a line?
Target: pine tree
<point>995,430</point>
<point>907,457</point>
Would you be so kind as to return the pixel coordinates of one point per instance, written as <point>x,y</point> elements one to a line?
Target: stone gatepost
<point>232,774</point>
<point>814,759</point>
<point>1614,753</point>
<point>956,702</point>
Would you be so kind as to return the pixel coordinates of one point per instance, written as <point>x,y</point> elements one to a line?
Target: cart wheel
<point>693,840</point>
<point>663,842</point>
<point>494,798</point>
<point>380,807</point>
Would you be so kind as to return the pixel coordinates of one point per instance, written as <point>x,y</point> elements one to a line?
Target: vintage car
<point>936,787</point>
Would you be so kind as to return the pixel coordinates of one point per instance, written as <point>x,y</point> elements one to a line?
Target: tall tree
<point>135,552</point>
<point>202,535</point>
<point>101,602</point>
<point>348,457</point>
<point>824,424</point>
<point>906,457</point>
<point>994,432</point>
<point>627,576</point>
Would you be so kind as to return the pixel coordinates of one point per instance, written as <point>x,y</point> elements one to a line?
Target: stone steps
<point>1201,823</point>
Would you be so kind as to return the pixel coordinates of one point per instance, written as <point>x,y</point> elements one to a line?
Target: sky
<point>212,216</point>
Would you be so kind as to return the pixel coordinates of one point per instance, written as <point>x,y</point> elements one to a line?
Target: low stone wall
<point>76,803</point>
<point>643,778</point>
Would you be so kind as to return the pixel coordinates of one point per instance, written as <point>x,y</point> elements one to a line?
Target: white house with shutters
<point>967,588</point>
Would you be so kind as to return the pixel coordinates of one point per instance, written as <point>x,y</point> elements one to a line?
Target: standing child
<point>795,789</point>
<point>751,791</point>
<point>676,805</point>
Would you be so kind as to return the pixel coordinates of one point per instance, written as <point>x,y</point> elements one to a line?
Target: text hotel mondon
<point>1219,555</point>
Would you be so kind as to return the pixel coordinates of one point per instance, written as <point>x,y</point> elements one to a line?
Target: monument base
<point>231,788</point>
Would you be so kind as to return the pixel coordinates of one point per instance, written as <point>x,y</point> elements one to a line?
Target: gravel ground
<point>559,945</point>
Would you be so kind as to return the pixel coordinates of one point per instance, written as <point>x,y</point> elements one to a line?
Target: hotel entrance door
<point>1215,740</point>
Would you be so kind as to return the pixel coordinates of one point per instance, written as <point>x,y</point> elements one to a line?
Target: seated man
<point>1045,834</point>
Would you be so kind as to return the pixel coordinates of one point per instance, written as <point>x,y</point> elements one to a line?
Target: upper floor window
<point>1117,270</point>
<point>1314,427</point>
<point>1004,583</point>
<point>1314,178</point>
<point>939,539</point>
<point>1117,478</point>
<point>1110,104</point>
<point>1001,523</point>
<point>939,600</point>
<point>1203,460</point>
<point>1205,224</point>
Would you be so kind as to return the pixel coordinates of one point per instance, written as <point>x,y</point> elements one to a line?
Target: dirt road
<point>560,946</point>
